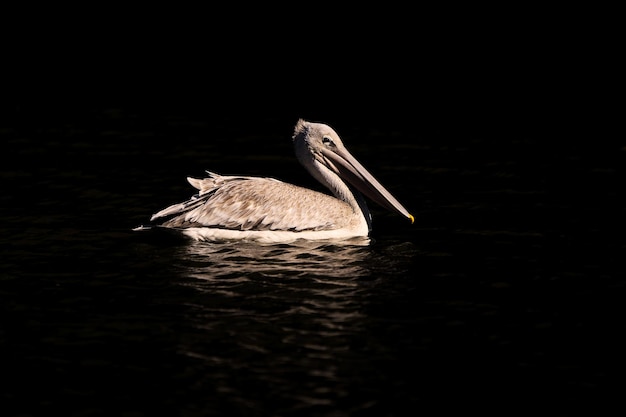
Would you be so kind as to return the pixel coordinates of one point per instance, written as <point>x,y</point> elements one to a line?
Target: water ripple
<point>265,316</point>
<point>237,261</point>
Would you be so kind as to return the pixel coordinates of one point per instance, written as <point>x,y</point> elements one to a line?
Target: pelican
<point>271,211</point>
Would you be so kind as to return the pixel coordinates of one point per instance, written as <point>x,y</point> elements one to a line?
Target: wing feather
<point>253,203</point>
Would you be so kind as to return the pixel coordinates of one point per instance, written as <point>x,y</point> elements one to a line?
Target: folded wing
<point>253,203</point>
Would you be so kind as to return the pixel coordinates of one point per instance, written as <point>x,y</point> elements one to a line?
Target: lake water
<point>505,297</point>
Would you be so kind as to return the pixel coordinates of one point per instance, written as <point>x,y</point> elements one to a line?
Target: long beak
<point>346,166</point>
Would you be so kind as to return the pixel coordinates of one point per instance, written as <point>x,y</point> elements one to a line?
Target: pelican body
<point>272,211</point>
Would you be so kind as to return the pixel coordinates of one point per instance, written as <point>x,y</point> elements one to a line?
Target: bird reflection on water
<point>243,261</point>
<point>264,316</point>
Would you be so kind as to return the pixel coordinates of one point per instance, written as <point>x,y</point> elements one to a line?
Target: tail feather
<point>180,208</point>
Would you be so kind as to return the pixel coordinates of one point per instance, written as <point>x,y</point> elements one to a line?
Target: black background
<point>490,78</point>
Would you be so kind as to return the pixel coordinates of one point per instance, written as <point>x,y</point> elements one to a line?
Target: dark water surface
<point>505,297</point>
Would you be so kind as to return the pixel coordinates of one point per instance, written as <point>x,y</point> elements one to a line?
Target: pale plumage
<point>268,210</point>
<point>250,203</point>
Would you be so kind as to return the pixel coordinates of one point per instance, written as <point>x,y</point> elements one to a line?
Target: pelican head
<point>320,150</point>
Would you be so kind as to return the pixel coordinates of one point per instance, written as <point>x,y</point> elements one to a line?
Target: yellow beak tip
<point>412,219</point>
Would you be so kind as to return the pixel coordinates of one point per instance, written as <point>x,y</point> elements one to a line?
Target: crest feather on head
<point>301,127</point>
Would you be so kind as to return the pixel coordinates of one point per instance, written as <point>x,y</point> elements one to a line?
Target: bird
<point>268,210</point>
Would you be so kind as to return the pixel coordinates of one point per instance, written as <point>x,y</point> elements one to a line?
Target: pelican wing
<point>252,203</point>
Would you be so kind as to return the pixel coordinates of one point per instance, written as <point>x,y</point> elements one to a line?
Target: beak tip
<point>412,218</point>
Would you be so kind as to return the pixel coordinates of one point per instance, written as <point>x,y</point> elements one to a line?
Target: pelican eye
<point>328,141</point>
